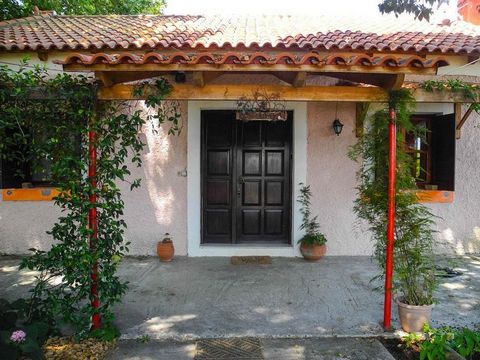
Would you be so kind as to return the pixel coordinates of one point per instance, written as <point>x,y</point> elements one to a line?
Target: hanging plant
<point>261,107</point>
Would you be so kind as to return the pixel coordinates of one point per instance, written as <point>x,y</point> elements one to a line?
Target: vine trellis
<point>60,120</point>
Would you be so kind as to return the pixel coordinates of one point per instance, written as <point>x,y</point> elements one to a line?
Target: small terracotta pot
<point>165,251</point>
<point>313,252</point>
<point>413,317</point>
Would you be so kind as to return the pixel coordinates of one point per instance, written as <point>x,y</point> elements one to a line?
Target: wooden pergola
<point>371,77</point>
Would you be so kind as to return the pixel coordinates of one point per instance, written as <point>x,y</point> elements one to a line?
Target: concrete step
<point>330,348</point>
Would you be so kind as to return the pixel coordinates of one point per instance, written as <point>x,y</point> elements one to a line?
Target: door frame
<point>194,191</point>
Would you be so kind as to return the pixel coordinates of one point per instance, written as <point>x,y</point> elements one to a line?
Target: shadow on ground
<point>193,298</point>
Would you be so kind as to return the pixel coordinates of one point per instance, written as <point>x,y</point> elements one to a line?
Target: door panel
<point>217,172</point>
<point>246,179</point>
<point>263,181</point>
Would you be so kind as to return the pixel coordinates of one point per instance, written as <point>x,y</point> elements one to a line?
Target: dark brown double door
<point>246,179</point>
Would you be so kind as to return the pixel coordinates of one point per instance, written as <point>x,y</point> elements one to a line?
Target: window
<point>434,157</point>
<point>28,174</point>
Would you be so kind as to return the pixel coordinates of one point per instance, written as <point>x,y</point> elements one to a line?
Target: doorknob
<point>241,180</point>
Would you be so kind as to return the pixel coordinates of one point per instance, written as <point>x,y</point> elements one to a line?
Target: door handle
<point>241,181</point>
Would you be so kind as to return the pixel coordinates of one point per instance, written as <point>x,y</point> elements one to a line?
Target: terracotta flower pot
<point>313,252</point>
<point>165,250</point>
<point>413,317</point>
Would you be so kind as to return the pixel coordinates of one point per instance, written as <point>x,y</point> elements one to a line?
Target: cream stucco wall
<point>331,175</point>
<point>160,205</point>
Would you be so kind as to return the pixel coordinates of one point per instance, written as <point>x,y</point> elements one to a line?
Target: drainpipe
<point>93,226</point>
<point>392,155</point>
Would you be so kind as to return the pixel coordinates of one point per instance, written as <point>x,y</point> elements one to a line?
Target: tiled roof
<point>306,33</point>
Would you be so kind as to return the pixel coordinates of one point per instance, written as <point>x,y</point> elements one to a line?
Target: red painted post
<point>93,225</point>
<point>392,160</point>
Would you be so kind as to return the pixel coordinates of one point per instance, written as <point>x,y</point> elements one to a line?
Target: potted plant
<point>313,243</point>
<point>165,249</point>
<point>414,267</point>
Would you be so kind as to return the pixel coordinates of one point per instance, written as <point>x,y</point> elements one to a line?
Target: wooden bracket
<point>459,119</point>
<point>361,113</point>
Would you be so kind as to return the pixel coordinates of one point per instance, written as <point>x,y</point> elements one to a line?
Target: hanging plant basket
<point>280,115</point>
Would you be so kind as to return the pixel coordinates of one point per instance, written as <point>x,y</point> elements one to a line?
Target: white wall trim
<point>194,183</point>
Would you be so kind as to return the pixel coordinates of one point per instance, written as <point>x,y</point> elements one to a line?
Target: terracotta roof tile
<point>47,32</point>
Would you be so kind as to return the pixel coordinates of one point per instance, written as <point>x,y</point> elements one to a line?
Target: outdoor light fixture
<point>337,125</point>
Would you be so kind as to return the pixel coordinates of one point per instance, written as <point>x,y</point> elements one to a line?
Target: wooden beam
<point>300,79</point>
<point>360,115</point>
<point>459,119</point>
<point>198,79</point>
<point>234,92</point>
<point>252,68</point>
<point>288,93</point>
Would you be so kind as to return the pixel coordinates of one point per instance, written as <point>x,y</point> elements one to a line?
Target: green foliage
<point>470,92</point>
<point>11,9</point>
<point>421,9</point>
<point>63,109</point>
<point>414,270</point>
<point>310,224</point>
<point>107,332</point>
<point>23,315</point>
<point>166,111</point>
<point>434,343</point>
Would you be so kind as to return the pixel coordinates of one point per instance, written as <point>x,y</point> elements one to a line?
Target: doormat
<point>231,349</point>
<point>246,260</point>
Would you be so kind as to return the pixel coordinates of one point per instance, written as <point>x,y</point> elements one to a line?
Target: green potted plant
<point>414,267</point>
<point>313,244</point>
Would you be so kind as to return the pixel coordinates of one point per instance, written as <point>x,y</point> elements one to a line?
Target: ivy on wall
<point>49,119</point>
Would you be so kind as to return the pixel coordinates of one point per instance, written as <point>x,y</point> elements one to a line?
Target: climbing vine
<point>414,278</point>
<point>470,92</point>
<point>47,120</point>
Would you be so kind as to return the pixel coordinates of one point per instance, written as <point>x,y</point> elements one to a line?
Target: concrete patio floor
<point>192,298</point>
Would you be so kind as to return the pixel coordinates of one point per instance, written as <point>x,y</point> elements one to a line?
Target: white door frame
<point>194,191</point>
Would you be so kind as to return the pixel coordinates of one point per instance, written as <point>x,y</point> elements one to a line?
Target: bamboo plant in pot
<point>414,268</point>
<point>313,244</point>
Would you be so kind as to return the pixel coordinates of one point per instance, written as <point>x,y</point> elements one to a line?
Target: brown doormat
<point>245,260</point>
<point>231,349</point>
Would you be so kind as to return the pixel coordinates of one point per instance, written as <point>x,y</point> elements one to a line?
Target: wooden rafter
<point>300,79</point>
<point>286,92</point>
<point>198,79</point>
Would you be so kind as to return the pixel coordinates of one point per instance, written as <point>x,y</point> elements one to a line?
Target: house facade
<point>227,187</point>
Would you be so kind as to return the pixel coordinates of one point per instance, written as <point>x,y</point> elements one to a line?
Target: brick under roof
<point>49,32</point>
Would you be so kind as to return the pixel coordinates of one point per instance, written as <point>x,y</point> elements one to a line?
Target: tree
<point>11,9</point>
<point>421,9</point>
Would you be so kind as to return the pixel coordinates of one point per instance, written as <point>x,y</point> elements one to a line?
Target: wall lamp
<point>337,125</point>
